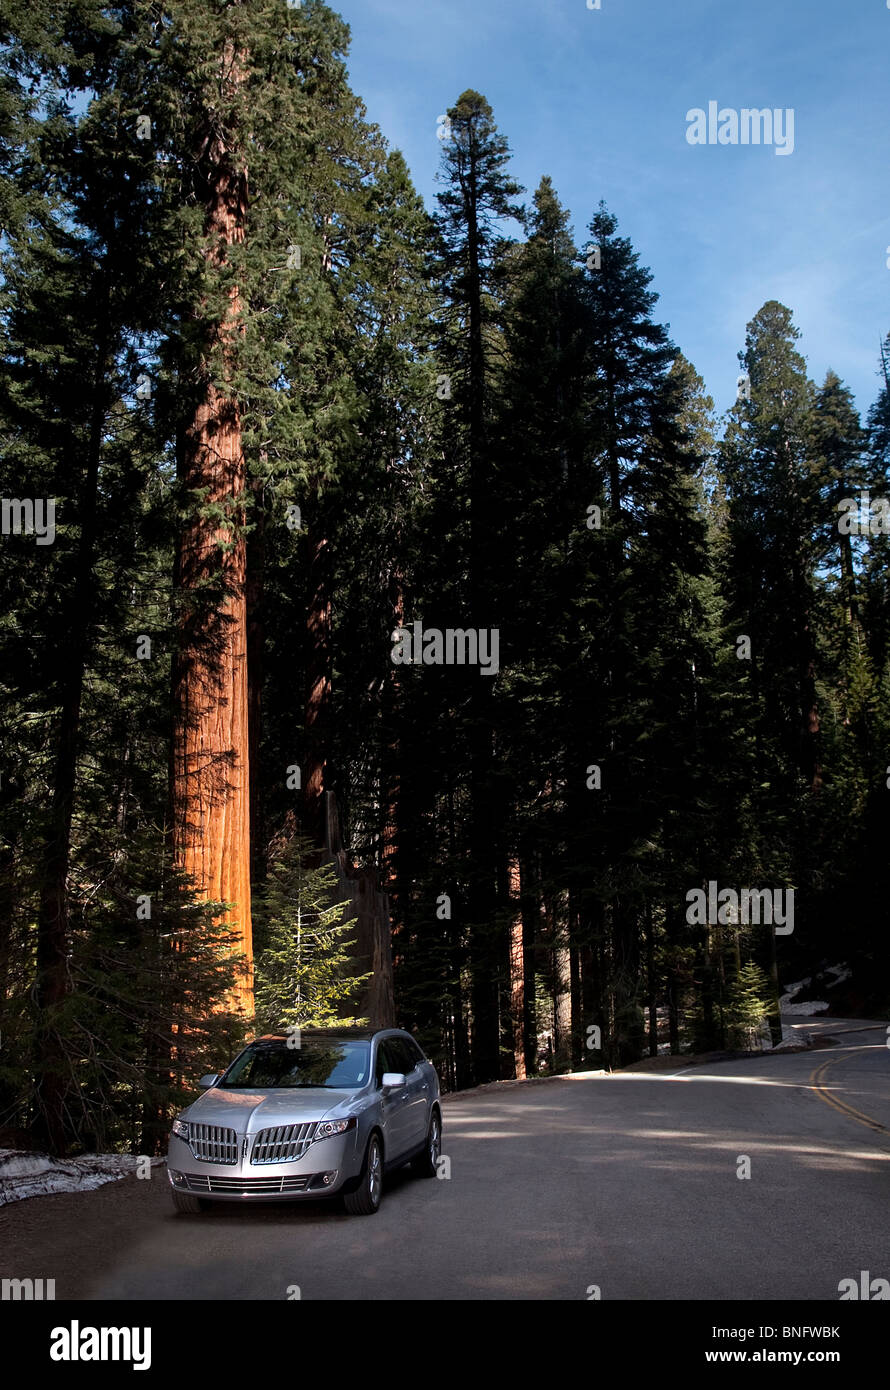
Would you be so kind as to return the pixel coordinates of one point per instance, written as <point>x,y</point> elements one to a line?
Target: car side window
<point>415,1051</point>
<point>406,1053</point>
<point>385,1060</point>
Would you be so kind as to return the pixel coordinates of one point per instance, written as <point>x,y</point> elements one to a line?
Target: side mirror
<point>392,1080</point>
<point>209,1080</point>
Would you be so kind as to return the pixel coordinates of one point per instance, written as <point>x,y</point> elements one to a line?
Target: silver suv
<point>318,1112</point>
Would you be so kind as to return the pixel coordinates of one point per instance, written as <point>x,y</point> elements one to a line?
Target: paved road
<point>627,1182</point>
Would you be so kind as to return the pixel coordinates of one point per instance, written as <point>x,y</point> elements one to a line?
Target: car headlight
<point>180,1129</point>
<point>327,1128</point>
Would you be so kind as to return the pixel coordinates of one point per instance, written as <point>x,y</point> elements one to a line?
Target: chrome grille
<point>213,1144</point>
<point>282,1145</point>
<point>248,1187</point>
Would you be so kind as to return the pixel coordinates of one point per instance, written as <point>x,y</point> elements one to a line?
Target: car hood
<point>249,1111</point>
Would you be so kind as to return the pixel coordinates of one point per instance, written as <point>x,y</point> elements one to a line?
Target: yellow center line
<point>817,1081</point>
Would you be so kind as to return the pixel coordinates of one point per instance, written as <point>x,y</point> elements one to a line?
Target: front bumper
<point>323,1169</point>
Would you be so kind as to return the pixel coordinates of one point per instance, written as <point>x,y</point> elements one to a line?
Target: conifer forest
<point>393,628</point>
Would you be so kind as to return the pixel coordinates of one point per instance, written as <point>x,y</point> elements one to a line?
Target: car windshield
<point>329,1063</point>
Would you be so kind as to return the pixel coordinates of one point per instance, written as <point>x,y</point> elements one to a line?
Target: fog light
<point>177,1178</point>
<point>324,1179</point>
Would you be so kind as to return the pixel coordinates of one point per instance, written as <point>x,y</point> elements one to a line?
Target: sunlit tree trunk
<point>211,810</point>
<point>517,973</point>
<point>562,992</point>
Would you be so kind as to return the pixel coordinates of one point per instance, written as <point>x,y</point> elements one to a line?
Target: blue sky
<point>598,100</point>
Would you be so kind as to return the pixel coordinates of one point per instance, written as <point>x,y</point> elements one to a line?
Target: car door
<point>418,1102</point>
<point>395,1105</point>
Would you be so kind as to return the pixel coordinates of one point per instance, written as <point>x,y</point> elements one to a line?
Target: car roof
<point>359,1034</point>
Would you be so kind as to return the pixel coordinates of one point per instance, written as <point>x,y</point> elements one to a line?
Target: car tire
<point>188,1205</point>
<point>425,1165</point>
<point>365,1200</point>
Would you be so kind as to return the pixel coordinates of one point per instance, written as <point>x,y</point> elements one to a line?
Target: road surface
<point>627,1184</point>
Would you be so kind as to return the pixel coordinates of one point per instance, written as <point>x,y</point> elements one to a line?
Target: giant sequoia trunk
<point>210,793</point>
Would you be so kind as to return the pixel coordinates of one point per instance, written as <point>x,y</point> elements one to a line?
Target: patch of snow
<point>24,1174</point>
<point>789,1036</point>
<point>790,1039</point>
<point>812,1006</point>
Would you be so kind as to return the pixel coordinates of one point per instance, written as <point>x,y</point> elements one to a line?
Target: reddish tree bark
<point>517,974</point>
<point>211,801</point>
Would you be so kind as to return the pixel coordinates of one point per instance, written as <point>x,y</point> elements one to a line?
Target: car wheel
<point>188,1205</point>
<point>425,1164</point>
<point>365,1200</point>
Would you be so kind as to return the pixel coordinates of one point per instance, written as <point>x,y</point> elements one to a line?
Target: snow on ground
<point>789,1038</point>
<point>812,1006</point>
<point>25,1174</point>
